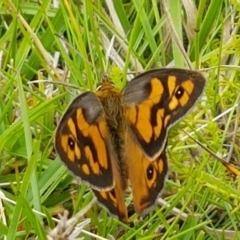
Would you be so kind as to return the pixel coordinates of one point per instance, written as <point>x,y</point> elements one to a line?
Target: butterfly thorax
<point>111,100</point>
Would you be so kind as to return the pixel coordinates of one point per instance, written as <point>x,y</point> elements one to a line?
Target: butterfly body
<point>112,138</point>
<point>111,100</point>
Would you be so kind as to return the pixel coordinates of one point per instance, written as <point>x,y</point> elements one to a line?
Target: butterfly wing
<point>113,200</point>
<point>157,99</point>
<point>146,177</point>
<point>82,142</point>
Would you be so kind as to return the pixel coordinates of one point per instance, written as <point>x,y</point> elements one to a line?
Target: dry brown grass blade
<point>232,168</point>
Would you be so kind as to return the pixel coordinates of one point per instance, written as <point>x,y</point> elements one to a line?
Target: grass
<point>69,43</point>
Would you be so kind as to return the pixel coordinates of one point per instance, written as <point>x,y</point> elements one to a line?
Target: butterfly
<point>113,139</point>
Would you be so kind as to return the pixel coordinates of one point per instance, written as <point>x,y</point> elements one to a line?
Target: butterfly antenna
<point>104,77</point>
<point>108,53</point>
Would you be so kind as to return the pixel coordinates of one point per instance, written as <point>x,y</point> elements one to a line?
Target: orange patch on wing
<point>81,121</point>
<point>158,128</point>
<point>157,90</point>
<point>72,127</point>
<point>171,84</point>
<point>89,156</point>
<point>85,169</point>
<point>64,142</point>
<point>101,145</point>
<point>144,127</point>
<point>77,152</point>
<point>103,194</point>
<point>160,165</point>
<point>132,114</point>
<point>112,197</point>
<point>188,86</point>
<point>173,104</point>
<point>166,120</point>
<point>184,99</point>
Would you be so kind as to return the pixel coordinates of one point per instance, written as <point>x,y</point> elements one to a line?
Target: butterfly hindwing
<point>157,99</point>
<point>83,144</point>
<point>147,177</point>
<point>113,200</point>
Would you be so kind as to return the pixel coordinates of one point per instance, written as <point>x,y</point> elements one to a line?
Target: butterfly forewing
<point>82,142</point>
<point>156,100</point>
<point>113,200</point>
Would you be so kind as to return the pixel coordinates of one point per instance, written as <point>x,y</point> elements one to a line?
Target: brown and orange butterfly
<point>114,138</point>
